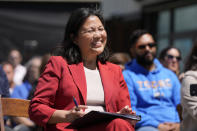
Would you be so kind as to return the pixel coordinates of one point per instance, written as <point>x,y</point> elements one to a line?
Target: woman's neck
<point>90,63</point>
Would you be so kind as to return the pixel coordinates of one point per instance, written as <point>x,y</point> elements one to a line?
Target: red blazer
<point>60,82</point>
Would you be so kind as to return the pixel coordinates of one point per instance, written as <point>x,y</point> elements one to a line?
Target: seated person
<point>154,90</point>
<point>9,70</point>
<point>170,57</point>
<point>81,71</point>
<point>23,91</point>
<point>120,59</point>
<point>189,93</point>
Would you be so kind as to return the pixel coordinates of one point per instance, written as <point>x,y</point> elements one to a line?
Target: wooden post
<point>1,116</point>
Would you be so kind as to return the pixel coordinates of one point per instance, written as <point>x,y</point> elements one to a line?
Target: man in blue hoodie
<point>154,90</point>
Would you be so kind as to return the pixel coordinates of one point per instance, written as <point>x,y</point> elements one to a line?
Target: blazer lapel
<point>78,75</point>
<point>107,81</point>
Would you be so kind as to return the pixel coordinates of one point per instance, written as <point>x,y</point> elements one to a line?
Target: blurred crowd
<point>21,82</point>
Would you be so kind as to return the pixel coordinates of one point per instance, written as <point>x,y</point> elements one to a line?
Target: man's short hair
<point>136,35</point>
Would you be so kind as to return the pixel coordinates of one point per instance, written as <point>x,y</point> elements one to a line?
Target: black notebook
<point>94,117</point>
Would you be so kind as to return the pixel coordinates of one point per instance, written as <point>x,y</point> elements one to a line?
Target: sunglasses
<point>150,45</point>
<point>178,58</point>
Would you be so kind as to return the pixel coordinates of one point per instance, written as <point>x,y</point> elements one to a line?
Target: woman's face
<point>172,59</point>
<point>91,38</point>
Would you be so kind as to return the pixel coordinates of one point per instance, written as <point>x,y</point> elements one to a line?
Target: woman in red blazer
<point>67,75</point>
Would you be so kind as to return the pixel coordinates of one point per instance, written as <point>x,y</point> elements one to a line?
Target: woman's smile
<point>97,44</point>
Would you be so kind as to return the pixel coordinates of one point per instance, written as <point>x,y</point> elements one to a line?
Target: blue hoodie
<point>22,91</point>
<point>154,94</point>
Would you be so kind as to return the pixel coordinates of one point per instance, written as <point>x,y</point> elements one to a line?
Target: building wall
<point>119,7</point>
<point>125,7</point>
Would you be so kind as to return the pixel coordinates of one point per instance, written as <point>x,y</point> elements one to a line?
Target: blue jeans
<point>147,128</point>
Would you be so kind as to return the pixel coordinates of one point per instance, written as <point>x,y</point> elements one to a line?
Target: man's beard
<point>142,60</point>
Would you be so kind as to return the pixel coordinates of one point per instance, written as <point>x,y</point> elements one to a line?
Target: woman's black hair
<point>165,50</point>
<point>71,51</point>
<point>191,63</point>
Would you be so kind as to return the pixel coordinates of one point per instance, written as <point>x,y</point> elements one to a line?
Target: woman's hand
<point>75,113</point>
<point>128,110</point>
<point>60,116</point>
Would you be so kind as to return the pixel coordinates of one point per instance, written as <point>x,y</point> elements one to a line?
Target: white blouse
<point>95,92</point>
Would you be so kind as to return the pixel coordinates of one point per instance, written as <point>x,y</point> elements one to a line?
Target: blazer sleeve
<point>41,106</point>
<point>187,101</point>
